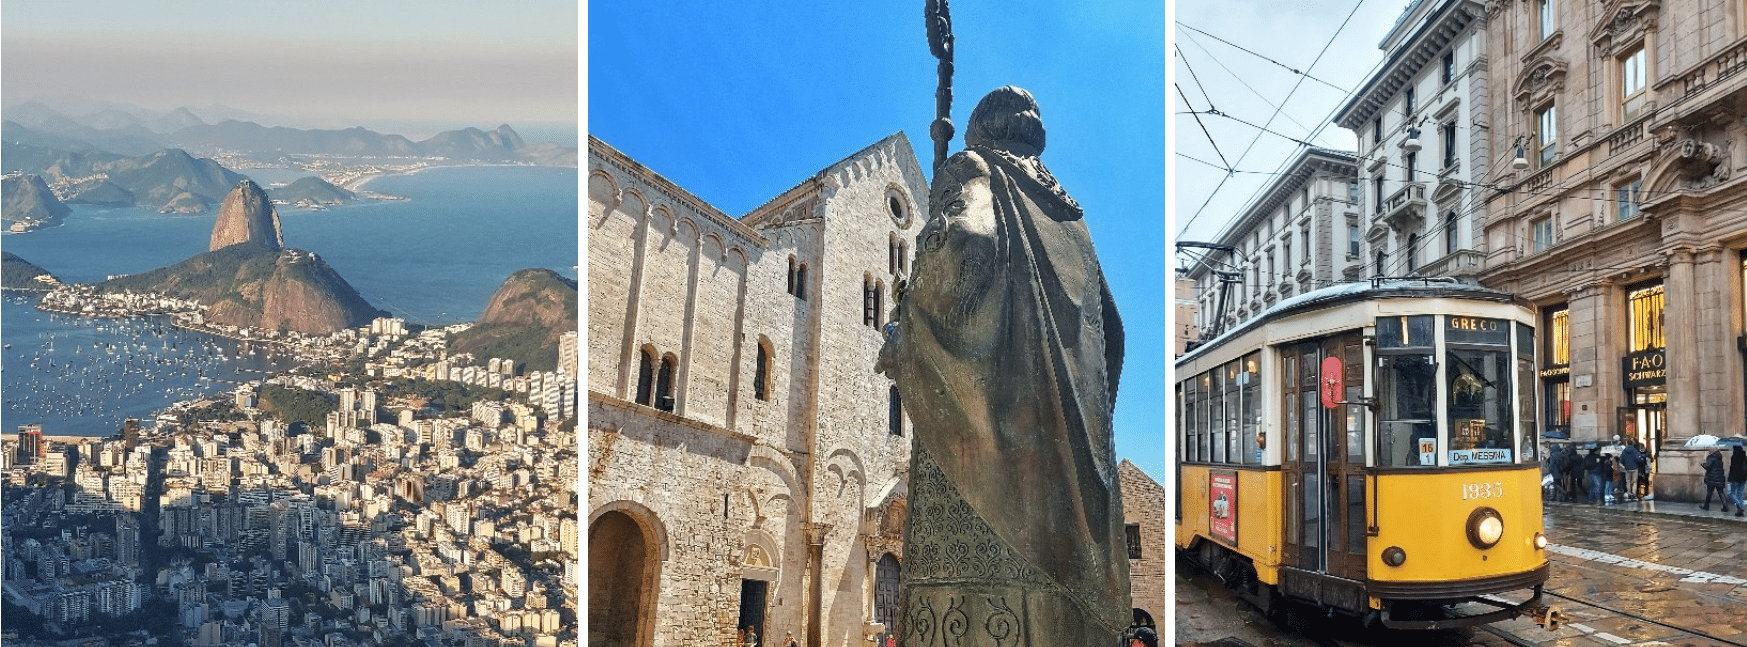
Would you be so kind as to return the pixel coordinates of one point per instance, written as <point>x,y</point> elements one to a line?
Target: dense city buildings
<point>428,500</point>
<point>746,465</point>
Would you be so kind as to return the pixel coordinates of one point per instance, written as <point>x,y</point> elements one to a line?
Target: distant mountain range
<point>28,203</point>
<point>132,132</point>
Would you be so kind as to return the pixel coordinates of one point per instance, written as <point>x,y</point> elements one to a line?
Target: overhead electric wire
<point>1265,58</point>
<point>1234,75</point>
<point>1277,110</point>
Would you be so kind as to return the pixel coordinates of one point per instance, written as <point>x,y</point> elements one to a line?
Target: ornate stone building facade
<point>1421,124</point>
<point>745,463</point>
<point>1625,221</point>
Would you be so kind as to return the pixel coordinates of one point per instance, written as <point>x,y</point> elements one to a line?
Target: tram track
<point>1522,641</point>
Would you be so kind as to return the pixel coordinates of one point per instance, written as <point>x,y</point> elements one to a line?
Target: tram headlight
<point>1394,556</point>
<point>1485,528</point>
<point>1540,541</point>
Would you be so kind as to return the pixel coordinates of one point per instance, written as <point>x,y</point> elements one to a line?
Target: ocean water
<point>435,257</point>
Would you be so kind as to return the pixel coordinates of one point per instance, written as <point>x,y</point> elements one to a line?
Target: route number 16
<point>1482,491</point>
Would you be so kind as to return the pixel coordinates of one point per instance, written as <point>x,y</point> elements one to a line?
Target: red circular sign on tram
<point>1331,382</point>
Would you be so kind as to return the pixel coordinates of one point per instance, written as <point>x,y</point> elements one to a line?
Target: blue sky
<point>738,102</point>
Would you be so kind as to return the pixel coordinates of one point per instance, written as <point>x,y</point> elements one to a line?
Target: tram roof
<point>1339,293</point>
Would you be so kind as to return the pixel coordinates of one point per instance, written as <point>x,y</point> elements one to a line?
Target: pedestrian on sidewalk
<point>1632,461</point>
<point>1556,471</point>
<point>1592,473</point>
<point>1573,474</point>
<point>1738,479</point>
<point>1714,478</point>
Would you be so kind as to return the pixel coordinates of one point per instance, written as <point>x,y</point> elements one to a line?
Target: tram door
<point>1324,462</point>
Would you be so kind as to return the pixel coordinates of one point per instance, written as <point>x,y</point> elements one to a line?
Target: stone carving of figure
<point>1006,354</point>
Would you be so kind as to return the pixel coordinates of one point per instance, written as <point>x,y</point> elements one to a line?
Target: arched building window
<point>879,304</point>
<point>895,423</point>
<point>664,383</point>
<point>801,282</point>
<point>867,301</point>
<point>761,372</point>
<point>791,274</point>
<point>646,377</point>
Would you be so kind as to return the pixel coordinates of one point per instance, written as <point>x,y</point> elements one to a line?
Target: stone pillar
<point>1595,359</point>
<point>816,533</point>
<point>1680,325</point>
<point>1720,377</point>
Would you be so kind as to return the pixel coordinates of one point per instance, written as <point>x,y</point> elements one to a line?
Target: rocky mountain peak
<point>247,216</point>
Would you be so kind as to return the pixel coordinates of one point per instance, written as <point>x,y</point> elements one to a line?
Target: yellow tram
<point>1368,448</point>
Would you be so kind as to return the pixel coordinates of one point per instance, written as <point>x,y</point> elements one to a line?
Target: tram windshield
<point>1447,399</point>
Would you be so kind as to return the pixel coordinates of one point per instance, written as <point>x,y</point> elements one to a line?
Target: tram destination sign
<point>1479,456</point>
<point>1646,367</point>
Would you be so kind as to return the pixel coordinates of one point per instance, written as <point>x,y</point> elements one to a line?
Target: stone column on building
<point>1720,380</point>
<point>1680,326</point>
<point>816,534</point>
<point>1596,381</point>
<point>628,344</point>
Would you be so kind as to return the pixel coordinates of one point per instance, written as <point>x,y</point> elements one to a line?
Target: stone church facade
<point>745,463</point>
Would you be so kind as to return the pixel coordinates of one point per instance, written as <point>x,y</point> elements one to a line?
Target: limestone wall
<point>732,476</point>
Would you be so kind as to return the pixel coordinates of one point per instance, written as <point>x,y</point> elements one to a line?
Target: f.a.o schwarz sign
<point>1645,367</point>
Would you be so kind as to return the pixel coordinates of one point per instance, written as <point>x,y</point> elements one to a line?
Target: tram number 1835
<point>1471,491</point>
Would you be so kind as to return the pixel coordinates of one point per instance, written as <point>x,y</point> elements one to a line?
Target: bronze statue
<point>1006,353</point>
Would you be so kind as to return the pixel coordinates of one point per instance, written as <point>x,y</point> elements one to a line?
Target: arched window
<point>867,301</point>
<point>646,377</point>
<point>892,255</point>
<point>664,383</point>
<point>761,372</point>
<point>896,413</point>
<point>903,257</point>
<point>879,303</point>
<point>791,274</point>
<point>1382,259</point>
<point>801,282</point>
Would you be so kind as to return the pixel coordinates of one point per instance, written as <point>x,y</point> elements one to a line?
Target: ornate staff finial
<point>939,21</point>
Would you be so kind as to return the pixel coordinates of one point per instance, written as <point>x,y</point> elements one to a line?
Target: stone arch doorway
<point>621,582</point>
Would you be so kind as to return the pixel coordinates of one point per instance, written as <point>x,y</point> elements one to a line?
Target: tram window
<point>1289,380</point>
<point>1216,415</point>
<point>1206,420</point>
<point>1525,376</point>
<point>1405,332</point>
<point>1479,405</point>
<point>1191,409</point>
<point>1407,397</point>
<point>1252,409</point>
<point>1356,515</point>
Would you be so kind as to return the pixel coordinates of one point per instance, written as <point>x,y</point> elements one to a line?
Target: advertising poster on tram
<point>1222,496</point>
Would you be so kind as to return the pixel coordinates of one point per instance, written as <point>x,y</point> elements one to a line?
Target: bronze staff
<point>939,20</point>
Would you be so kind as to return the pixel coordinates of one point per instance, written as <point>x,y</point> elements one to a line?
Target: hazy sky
<point>738,102</point>
<point>319,60</point>
<point>1248,87</point>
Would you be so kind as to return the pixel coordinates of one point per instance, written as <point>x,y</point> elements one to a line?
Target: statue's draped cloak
<point>1008,365</point>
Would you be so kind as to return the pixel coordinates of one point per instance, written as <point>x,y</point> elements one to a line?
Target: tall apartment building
<point>1624,221</point>
<point>1422,130</point>
<point>746,465</point>
<point>1299,233</point>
